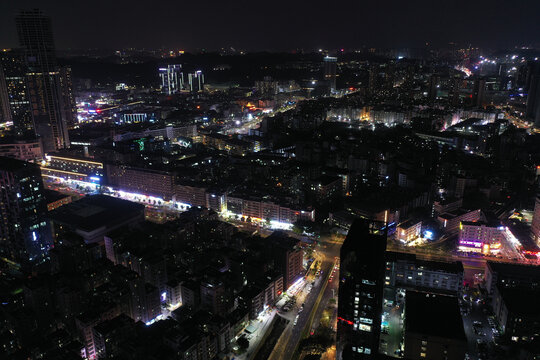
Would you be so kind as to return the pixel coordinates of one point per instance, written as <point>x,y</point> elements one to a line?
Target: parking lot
<point>392,322</point>
<point>480,326</point>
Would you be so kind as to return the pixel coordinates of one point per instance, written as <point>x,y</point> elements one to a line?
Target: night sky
<point>281,25</point>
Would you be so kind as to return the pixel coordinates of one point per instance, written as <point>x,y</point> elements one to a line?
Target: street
<point>314,303</point>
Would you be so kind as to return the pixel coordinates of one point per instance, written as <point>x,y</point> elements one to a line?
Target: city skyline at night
<point>281,181</point>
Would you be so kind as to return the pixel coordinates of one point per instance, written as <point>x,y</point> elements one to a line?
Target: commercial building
<point>480,237</point>
<point>266,209</point>
<point>48,85</point>
<point>172,79</point>
<point>431,333</point>
<point>25,231</point>
<point>362,271</point>
<point>55,199</point>
<point>408,231</point>
<point>73,168</point>
<point>141,181</point>
<point>94,216</point>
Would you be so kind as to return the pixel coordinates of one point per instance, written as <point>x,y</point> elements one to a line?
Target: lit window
<point>423,355</point>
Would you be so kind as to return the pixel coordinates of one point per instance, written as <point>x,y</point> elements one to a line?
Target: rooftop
<point>425,312</point>
<point>96,211</point>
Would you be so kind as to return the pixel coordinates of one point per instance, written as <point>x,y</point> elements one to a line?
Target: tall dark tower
<point>330,71</point>
<point>25,232</point>
<point>433,87</point>
<point>453,94</point>
<point>478,92</point>
<point>533,93</point>
<point>44,78</point>
<point>362,270</point>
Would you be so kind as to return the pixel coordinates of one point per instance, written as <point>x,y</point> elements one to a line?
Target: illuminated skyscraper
<point>14,101</point>
<point>330,71</point>
<point>172,79</point>
<point>196,81</point>
<point>47,82</point>
<point>25,232</point>
<point>362,271</point>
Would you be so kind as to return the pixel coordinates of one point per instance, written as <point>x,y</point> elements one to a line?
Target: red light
<point>345,320</point>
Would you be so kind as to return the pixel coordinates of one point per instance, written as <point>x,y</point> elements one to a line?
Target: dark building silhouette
<point>433,87</point>
<point>362,270</point>
<point>25,232</point>
<point>533,93</point>
<point>48,88</point>
<point>478,92</point>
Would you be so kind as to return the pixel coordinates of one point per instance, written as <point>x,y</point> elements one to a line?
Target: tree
<point>243,343</point>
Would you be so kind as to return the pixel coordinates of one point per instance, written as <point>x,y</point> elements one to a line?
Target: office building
<point>25,231</point>
<point>330,71</point>
<point>196,81</point>
<point>362,271</point>
<point>47,83</point>
<point>535,225</point>
<point>14,100</point>
<point>172,79</point>
<point>532,112</point>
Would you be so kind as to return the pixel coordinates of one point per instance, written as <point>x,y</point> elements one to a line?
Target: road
<point>314,304</point>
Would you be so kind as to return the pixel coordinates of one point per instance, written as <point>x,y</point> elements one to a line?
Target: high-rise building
<point>25,232</point>
<point>14,101</point>
<point>330,71</point>
<point>533,93</point>
<point>478,92</point>
<point>48,86</point>
<point>362,271</point>
<point>453,94</point>
<point>287,255</point>
<point>196,81</point>
<point>535,226</point>
<point>433,87</point>
<point>172,79</point>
